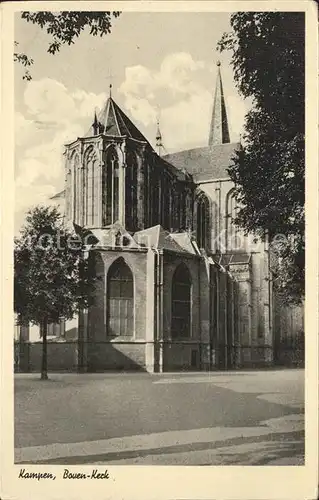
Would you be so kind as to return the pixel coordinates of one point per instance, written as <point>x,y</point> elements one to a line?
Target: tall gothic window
<point>120,308</point>
<point>131,192</point>
<point>177,208</point>
<point>79,195</point>
<point>232,231</point>
<point>202,225</point>
<point>68,193</point>
<point>163,206</point>
<point>75,168</point>
<point>91,200</point>
<point>110,188</point>
<point>156,198</point>
<point>146,194</point>
<point>185,215</point>
<point>166,203</point>
<point>181,302</point>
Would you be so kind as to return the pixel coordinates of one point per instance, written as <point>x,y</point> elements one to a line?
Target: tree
<point>64,28</point>
<point>268,60</point>
<point>52,278</point>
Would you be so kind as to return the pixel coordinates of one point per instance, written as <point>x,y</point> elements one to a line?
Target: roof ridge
<point>111,102</point>
<point>127,122</point>
<point>107,110</point>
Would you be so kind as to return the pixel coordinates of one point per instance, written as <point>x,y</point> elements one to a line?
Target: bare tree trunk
<point>44,368</point>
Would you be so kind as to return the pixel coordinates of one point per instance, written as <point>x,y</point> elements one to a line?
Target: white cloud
<point>54,116</point>
<point>48,100</point>
<point>177,73</point>
<point>185,94</point>
<point>27,196</point>
<point>237,109</point>
<point>85,103</point>
<point>187,122</point>
<point>141,109</point>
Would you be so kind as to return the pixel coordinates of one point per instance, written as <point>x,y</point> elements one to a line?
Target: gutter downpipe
<point>211,297</point>
<point>200,315</point>
<point>159,309</point>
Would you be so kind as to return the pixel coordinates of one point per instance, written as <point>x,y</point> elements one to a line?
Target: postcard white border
<point>161,482</point>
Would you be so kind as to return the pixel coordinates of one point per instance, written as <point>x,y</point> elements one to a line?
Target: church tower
<point>105,172</point>
<point>114,176</point>
<point>219,130</point>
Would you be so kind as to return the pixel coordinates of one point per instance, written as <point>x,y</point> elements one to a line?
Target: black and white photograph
<point>159,290</point>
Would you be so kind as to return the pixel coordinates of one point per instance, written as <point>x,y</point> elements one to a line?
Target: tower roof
<point>219,131</point>
<point>112,121</point>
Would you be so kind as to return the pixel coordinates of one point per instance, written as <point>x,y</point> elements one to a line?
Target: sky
<point>160,65</point>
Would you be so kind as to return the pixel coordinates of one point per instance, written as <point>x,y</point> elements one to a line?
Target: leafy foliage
<point>23,59</point>
<point>268,59</point>
<point>52,280</point>
<point>64,28</point>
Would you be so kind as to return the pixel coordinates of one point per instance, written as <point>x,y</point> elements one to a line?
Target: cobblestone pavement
<point>220,418</point>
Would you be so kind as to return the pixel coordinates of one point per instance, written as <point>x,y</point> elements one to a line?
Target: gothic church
<point>181,286</point>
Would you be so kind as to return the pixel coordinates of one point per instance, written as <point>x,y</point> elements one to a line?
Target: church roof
<point>112,121</point>
<point>109,236</point>
<point>159,238</point>
<point>227,259</point>
<point>58,196</point>
<point>205,163</point>
<point>184,240</point>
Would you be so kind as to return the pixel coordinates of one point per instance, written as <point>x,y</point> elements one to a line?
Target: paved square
<point>219,418</point>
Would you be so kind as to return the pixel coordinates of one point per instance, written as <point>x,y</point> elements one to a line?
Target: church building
<point>181,287</point>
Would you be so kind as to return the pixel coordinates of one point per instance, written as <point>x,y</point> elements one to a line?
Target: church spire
<point>159,140</point>
<point>95,124</point>
<point>219,131</point>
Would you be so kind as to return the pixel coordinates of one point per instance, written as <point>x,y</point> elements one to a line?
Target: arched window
<point>176,211</point>
<point>90,162</point>
<point>163,200</point>
<point>120,305</point>
<point>181,302</point>
<point>156,197</point>
<point>68,194</point>
<point>187,212</point>
<point>131,192</point>
<point>202,226</point>
<point>232,231</point>
<point>80,194</point>
<point>166,194</point>
<point>110,188</point>
<point>75,171</point>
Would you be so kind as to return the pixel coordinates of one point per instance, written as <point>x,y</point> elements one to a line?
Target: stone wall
<point>289,334</point>
<point>97,320</point>
<point>62,356</point>
<point>116,356</point>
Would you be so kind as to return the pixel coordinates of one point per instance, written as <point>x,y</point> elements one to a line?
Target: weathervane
<point>110,81</point>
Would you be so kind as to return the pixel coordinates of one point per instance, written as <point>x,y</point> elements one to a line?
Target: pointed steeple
<point>95,124</point>
<point>159,140</point>
<point>112,121</point>
<point>219,131</point>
